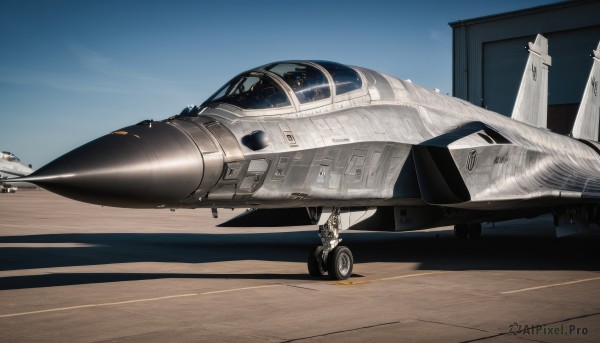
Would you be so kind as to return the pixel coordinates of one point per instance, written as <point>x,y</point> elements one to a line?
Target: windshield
<point>308,83</point>
<point>9,157</point>
<point>345,78</point>
<point>251,91</point>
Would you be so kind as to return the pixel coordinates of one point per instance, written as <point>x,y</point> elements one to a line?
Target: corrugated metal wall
<point>503,63</point>
<point>497,35</point>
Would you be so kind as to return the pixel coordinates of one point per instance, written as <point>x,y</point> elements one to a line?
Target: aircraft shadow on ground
<point>497,250</point>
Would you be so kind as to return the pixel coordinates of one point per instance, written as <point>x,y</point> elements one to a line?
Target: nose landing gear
<point>331,258</point>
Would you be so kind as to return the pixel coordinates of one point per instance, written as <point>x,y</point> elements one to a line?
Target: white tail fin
<point>531,106</point>
<point>588,117</point>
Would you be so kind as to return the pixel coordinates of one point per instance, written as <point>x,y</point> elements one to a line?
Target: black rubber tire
<point>316,267</point>
<point>461,231</point>
<point>340,263</point>
<point>474,230</point>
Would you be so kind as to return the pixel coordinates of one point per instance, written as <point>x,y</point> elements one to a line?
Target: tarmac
<point>75,272</point>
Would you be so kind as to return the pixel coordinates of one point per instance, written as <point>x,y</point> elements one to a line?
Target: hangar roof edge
<point>517,13</point>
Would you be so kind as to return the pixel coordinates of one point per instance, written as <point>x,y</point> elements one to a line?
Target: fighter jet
<point>346,147</point>
<point>11,166</point>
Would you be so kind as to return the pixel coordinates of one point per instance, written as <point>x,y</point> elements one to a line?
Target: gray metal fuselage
<point>11,167</point>
<point>358,149</point>
<point>361,152</point>
<point>430,158</point>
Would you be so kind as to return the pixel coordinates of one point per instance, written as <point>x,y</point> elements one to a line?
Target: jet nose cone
<point>146,165</point>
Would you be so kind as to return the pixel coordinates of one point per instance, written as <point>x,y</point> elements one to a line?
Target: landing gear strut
<point>471,230</point>
<point>331,258</point>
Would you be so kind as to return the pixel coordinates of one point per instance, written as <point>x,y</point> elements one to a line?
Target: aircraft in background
<point>10,167</point>
<point>350,148</point>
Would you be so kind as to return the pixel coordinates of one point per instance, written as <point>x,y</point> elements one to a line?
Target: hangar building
<point>489,56</point>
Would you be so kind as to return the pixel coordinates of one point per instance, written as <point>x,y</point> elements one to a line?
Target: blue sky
<point>71,71</point>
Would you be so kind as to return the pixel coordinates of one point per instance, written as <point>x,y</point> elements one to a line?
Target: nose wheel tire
<point>316,266</point>
<point>340,263</point>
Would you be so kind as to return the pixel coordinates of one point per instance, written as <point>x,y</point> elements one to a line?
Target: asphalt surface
<point>83,273</point>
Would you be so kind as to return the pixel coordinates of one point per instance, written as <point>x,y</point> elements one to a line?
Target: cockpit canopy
<point>307,82</point>
<point>253,90</point>
<point>273,85</point>
<point>8,156</point>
